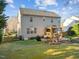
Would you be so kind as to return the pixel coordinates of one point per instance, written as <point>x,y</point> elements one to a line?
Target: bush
<point>38,38</point>
<point>32,38</point>
<point>76,28</point>
<point>71,32</point>
<point>21,37</point>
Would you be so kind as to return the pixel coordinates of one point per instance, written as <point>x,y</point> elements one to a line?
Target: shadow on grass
<point>39,50</point>
<point>70,52</point>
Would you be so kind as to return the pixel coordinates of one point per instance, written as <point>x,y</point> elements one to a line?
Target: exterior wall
<point>38,23</point>
<point>19,24</point>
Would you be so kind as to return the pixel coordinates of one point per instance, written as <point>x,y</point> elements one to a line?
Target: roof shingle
<point>25,11</point>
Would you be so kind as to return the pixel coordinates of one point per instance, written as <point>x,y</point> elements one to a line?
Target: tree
<point>76,28</point>
<point>2,17</point>
<point>71,32</point>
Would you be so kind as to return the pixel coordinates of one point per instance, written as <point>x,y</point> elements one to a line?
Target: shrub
<point>32,38</point>
<point>71,32</point>
<point>38,38</point>
<point>21,37</point>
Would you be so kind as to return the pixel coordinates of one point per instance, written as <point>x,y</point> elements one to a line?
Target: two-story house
<point>33,22</point>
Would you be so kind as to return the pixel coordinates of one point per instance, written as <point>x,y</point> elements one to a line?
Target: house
<point>70,22</point>
<point>33,22</point>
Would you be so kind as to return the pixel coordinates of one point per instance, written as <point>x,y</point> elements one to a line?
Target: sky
<point>64,8</point>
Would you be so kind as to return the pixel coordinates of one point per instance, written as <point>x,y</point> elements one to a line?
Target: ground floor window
<point>35,30</point>
<point>31,30</point>
<point>28,31</point>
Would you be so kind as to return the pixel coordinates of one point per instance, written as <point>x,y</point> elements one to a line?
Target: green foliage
<point>2,17</point>
<point>71,32</point>
<point>76,28</point>
<point>31,49</point>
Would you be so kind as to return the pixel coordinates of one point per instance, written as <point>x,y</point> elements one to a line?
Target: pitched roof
<point>25,11</point>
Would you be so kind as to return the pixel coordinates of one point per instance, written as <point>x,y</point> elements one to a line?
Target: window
<point>54,26</point>
<point>31,19</point>
<point>58,21</point>
<point>31,31</point>
<point>47,30</point>
<point>43,19</point>
<point>51,21</point>
<point>54,30</point>
<point>35,30</point>
<point>28,31</point>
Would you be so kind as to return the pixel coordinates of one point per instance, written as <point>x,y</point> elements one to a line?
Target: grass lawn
<point>38,50</point>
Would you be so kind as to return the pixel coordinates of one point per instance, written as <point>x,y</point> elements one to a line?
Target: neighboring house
<point>33,22</point>
<point>70,22</point>
<point>11,24</point>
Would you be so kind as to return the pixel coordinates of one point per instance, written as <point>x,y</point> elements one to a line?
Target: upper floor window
<point>43,19</point>
<point>31,19</point>
<point>58,21</point>
<point>51,21</point>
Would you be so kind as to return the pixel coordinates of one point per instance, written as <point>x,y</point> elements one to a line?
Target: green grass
<point>32,49</point>
<point>28,42</point>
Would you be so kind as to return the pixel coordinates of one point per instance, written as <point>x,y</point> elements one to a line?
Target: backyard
<point>32,49</point>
